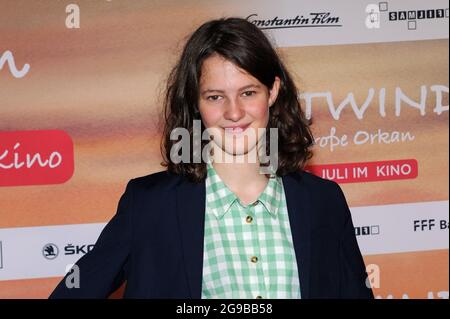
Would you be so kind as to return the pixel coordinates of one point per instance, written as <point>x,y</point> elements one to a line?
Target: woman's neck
<point>242,176</point>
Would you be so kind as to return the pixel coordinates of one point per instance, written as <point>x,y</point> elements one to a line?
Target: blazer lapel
<point>191,221</point>
<point>299,210</point>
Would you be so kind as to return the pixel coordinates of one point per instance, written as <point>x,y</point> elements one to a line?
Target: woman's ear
<point>273,92</point>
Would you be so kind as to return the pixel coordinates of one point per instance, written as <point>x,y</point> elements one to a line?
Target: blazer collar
<point>191,223</point>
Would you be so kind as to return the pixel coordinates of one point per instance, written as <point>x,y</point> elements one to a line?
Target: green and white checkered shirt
<point>248,250</point>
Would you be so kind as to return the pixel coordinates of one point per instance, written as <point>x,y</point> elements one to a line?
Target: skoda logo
<point>50,251</point>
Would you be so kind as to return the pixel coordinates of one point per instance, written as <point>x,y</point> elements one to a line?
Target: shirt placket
<point>255,258</point>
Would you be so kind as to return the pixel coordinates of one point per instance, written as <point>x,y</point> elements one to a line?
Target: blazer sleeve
<point>352,268</point>
<point>103,269</point>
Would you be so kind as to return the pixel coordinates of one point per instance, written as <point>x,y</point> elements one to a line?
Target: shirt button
<point>254,259</point>
<point>249,219</point>
<point>258,297</point>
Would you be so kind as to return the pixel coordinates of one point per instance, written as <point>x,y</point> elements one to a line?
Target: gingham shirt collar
<point>219,192</point>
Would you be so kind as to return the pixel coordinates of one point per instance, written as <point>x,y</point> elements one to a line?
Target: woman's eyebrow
<point>256,86</point>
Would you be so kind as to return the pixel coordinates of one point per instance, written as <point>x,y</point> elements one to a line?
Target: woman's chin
<point>237,151</point>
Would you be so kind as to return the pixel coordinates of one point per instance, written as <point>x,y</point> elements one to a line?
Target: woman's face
<point>234,105</point>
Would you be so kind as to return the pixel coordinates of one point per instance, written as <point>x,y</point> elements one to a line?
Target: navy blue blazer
<point>155,242</point>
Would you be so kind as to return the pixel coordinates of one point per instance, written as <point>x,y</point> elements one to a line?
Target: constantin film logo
<point>409,17</point>
<point>311,19</point>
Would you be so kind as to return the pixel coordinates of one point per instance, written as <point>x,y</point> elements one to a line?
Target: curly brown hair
<point>244,44</point>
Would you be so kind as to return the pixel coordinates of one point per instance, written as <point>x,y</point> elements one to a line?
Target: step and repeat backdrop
<point>81,86</point>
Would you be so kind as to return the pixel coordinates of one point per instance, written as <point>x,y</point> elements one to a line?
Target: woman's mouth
<point>236,129</point>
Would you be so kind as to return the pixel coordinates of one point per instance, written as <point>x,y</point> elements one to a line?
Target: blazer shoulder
<point>162,180</point>
<point>315,183</point>
<point>325,195</point>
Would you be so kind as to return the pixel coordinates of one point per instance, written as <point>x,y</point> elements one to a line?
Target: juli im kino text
<point>333,140</point>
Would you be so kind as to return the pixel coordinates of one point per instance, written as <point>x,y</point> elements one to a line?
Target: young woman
<point>214,228</point>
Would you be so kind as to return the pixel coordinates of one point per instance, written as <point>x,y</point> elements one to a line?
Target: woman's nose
<point>234,111</point>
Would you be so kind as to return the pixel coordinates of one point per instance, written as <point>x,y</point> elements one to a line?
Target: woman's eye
<point>249,93</point>
<point>213,97</point>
